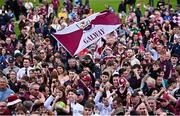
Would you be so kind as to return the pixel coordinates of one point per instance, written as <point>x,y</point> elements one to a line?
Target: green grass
<point>1,2</point>
<point>98,5</point>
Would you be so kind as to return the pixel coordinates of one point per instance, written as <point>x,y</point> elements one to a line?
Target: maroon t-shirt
<point>55,4</point>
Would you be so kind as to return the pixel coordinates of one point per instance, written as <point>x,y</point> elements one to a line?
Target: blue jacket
<point>2,60</point>
<point>5,93</point>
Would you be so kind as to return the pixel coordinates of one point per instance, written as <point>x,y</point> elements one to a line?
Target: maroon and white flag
<point>80,35</point>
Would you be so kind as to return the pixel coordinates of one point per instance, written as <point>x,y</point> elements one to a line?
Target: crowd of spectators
<point>136,73</point>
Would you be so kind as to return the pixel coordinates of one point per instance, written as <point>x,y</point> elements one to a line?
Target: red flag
<point>80,35</point>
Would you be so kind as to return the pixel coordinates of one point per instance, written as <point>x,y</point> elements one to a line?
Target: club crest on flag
<point>79,35</point>
<point>85,25</point>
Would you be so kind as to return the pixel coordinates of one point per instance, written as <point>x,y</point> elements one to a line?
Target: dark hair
<point>171,81</point>
<point>32,70</point>
<point>126,63</point>
<point>36,107</point>
<point>26,59</point>
<point>105,73</point>
<point>45,79</point>
<point>45,64</point>
<point>71,90</point>
<point>42,88</point>
<point>89,104</point>
<point>118,99</point>
<point>121,71</point>
<point>155,63</point>
<point>160,70</point>
<point>136,66</point>
<point>22,86</point>
<point>110,63</point>
<point>37,58</point>
<point>104,95</point>
<point>72,70</point>
<point>151,91</point>
<point>174,55</point>
<point>26,78</point>
<point>2,49</point>
<point>133,112</point>
<point>37,69</point>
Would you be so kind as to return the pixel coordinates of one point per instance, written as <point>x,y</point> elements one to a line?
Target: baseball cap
<point>12,100</point>
<point>115,74</point>
<point>10,59</point>
<point>17,55</point>
<point>17,51</point>
<point>80,92</point>
<point>134,94</point>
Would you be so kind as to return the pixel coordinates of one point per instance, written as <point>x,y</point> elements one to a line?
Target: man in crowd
<point>11,66</point>
<point>5,91</point>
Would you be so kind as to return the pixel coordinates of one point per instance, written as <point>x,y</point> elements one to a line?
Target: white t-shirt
<point>77,109</point>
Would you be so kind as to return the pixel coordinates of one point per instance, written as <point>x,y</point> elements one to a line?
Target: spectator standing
<point>5,91</point>
<point>25,70</point>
